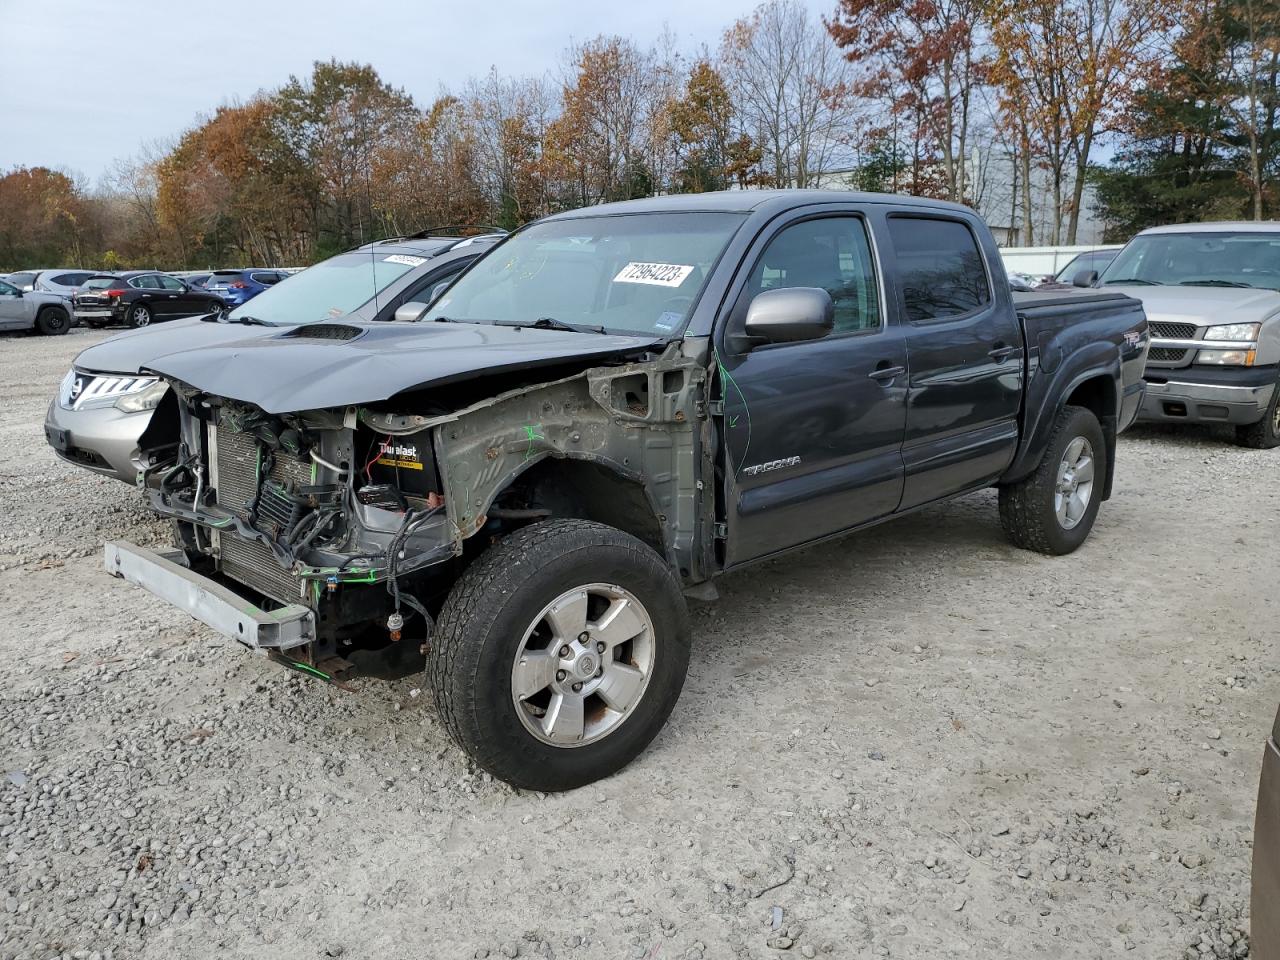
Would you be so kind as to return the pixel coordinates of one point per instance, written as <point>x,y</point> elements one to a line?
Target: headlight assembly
<point>147,398</point>
<point>1234,331</point>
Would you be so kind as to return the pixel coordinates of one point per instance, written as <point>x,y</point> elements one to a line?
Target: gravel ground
<point>917,742</point>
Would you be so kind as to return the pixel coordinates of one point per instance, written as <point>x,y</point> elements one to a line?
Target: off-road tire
<point>1263,434</point>
<point>135,322</point>
<point>485,617</point>
<point>1027,507</point>
<point>53,321</point>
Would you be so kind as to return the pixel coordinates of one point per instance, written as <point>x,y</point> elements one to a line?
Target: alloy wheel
<point>583,665</point>
<point>1075,483</point>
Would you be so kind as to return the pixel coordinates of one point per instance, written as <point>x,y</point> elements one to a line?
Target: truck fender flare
<point>1047,395</point>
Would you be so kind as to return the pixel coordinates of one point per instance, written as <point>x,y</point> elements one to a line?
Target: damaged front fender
<point>636,420</point>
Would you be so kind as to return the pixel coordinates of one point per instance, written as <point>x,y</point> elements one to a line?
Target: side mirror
<point>1085,278</point>
<point>790,314</point>
<point>410,312</point>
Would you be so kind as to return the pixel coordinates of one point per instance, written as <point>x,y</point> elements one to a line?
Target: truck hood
<point>325,365</point>
<point>132,350</point>
<point>1203,305</point>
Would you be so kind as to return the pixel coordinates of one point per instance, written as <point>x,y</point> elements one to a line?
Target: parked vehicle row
<point>135,298</point>
<point>513,487</point>
<point>140,297</point>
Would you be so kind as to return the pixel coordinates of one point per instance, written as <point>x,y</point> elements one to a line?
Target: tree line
<point>921,97</point>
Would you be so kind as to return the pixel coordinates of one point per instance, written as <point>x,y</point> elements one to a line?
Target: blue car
<point>238,286</point>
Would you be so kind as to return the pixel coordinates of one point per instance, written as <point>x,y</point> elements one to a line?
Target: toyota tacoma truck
<point>1212,296</point>
<point>516,492</point>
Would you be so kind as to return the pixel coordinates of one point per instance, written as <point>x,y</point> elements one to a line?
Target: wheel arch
<point>1090,378</point>
<point>587,487</point>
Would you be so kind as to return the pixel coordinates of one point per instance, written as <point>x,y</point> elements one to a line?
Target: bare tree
<point>791,89</point>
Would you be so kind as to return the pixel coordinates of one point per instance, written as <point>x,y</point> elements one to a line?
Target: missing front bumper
<point>214,605</point>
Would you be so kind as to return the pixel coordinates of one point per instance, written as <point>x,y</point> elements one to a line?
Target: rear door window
<point>941,273</point>
<point>23,281</point>
<point>170,283</point>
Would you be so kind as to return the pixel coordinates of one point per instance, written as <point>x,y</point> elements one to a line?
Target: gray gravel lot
<point>915,742</point>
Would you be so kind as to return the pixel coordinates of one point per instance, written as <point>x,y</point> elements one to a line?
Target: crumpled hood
<point>132,350</point>
<point>1203,305</point>
<point>325,365</point>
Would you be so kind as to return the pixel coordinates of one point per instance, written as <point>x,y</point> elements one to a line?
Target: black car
<point>139,298</point>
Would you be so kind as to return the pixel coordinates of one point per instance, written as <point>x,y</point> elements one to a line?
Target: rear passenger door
<point>964,351</point>
<point>813,429</point>
<point>181,300</point>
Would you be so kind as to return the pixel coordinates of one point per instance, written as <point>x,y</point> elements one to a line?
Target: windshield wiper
<point>249,321</point>
<point>1145,283</point>
<point>1213,283</point>
<point>551,323</point>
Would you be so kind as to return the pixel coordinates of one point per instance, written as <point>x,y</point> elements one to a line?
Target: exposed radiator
<point>235,472</point>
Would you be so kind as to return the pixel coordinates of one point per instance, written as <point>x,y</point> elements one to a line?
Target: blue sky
<point>83,82</point>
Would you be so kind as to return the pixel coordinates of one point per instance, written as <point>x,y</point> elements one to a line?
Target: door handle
<point>1001,352</point>
<point>883,374</point>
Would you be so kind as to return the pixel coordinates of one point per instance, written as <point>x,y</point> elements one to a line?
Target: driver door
<point>813,430</point>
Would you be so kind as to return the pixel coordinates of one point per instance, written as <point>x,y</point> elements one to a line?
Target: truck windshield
<point>1245,258</point>
<point>328,290</point>
<point>635,273</point>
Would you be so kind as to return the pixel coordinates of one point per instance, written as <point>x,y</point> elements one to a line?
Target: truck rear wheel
<point>560,653</point>
<point>1053,510</point>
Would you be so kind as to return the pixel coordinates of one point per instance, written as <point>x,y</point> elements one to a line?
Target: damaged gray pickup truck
<point>611,408</point>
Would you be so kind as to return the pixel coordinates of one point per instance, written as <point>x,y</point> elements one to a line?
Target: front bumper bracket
<point>164,575</point>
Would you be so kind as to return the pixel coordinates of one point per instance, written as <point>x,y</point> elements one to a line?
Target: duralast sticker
<point>404,258</point>
<point>658,274</point>
<point>402,455</point>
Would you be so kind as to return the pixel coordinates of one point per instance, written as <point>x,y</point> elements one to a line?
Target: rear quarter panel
<point>1073,338</point>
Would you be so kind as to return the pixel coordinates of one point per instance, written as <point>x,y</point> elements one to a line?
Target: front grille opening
<point>1172,331</point>
<point>1166,355</point>
<point>87,457</point>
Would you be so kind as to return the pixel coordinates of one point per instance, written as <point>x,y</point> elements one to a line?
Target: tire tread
<point>1022,516</point>
<point>484,587</point>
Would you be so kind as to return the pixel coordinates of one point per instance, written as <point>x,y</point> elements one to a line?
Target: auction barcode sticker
<point>404,258</point>
<point>659,274</point>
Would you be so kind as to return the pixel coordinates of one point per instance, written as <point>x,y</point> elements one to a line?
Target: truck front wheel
<point>560,653</point>
<point>1265,434</point>
<point>1052,511</point>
